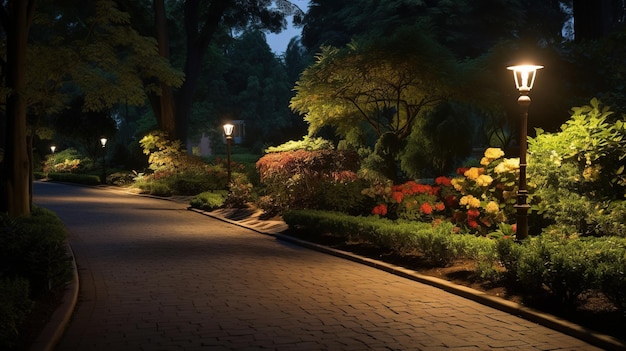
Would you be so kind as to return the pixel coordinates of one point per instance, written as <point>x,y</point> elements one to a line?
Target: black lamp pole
<point>103,141</point>
<point>228,131</point>
<point>524,80</point>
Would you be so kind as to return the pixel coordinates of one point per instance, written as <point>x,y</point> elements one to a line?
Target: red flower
<point>439,206</point>
<point>397,196</point>
<point>426,208</point>
<point>445,181</point>
<point>473,213</point>
<point>461,170</point>
<point>472,223</point>
<point>380,210</point>
<point>514,228</point>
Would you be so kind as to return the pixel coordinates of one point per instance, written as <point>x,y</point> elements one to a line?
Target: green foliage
<point>163,153</point>
<point>85,179</point>
<point>307,143</point>
<point>437,243</point>
<point>67,161</point>
<point>383,82</point>
<point>296,179</point>
<point>14,308</point>
<point>176,172</point>
<point>33,262</point>
<point>567,267</point>
<point>578,172</point>
<point>209,200</point>
<point>240,191</point>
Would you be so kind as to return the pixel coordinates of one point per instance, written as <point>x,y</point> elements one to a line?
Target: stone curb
<point>54,329</point>
<point>547,320</point>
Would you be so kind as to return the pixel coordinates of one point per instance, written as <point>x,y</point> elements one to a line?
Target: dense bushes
<point>553,264</point>
<point>85,179</point>
<point>33,262</point>
<point>176,172</point>
<point>311,175</point>
<point>209,200</point>
<point>577,175</point>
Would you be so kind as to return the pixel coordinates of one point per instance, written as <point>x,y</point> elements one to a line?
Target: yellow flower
<point>592,173</point>
<point>457,184</point>
<point>492,207</point>
<point>484,180</point>
<point>493,153</point>
<point>507,165</point>
<point>469,201</point>
<point>485,161</point>
<point>474,172</point>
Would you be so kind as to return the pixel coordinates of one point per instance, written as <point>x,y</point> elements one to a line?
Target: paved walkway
<point>155,276</point>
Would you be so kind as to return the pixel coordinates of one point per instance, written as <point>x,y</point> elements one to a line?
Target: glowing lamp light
<point>228,129</point>
<point>53,148</point>
<point>103,141</point>
<point>524,76</point>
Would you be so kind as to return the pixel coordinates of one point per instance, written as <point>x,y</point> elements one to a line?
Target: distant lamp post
<point>524,81</point>
<point>103,141</point>
<point>53,148</point>
<point>228,131</point>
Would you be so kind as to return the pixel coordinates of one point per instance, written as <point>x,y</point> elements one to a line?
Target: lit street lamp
<point>53,148</point>
<point>103,141</point>
<point>524,80</point>
<point>228,131</point>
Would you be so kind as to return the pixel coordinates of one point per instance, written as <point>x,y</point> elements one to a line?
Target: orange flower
<point>426,208</point>
<point>397,195</point>
<point>445,181</point>
<point>380,210</point>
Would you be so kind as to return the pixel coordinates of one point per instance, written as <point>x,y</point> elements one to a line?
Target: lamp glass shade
<point>228,129</point>
<point>524,76</point>
<point>103,141</point>
<point>53,148</point>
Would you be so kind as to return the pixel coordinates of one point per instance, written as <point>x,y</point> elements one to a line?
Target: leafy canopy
<point>385,83</point>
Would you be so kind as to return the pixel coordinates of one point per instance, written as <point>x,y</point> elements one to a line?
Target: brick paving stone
<point>155,276</point>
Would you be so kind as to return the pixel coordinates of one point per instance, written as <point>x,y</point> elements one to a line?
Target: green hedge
<point>33,263</point>
<point>85,179</point>
<point>562,266</point>
<point>437,243</point>
<point>209,200</point>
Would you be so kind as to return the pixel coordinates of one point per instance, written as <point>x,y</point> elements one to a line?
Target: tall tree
<point>16,18</point>
<point>385,84</point>
<point>202,20</point>
<point>98,56</point>
<point>597,18</point>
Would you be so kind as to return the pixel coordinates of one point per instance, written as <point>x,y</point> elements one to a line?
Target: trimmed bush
<point>209,200</point>
<point>14,308</point>
<point>85,179</point>
<point>33,262</point>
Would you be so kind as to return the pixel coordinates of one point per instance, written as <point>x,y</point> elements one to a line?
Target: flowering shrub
<point>311,179</point>
<point>481,200</point>
<point>414,201</point>
<point>487,193</point>
<point>67,161</point>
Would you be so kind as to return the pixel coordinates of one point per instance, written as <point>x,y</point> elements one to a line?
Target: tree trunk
<point>163,105</point>
<point>198,40</point>
<point>593,19</point>
<point>16,168</point>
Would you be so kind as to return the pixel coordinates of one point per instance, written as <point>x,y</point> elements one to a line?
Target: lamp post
<point>228,131</point>
<point>103,141</point>
<point>524,80</point>
<point>53,148</point>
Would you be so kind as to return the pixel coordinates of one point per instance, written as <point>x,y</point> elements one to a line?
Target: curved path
<point>155,276</point>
